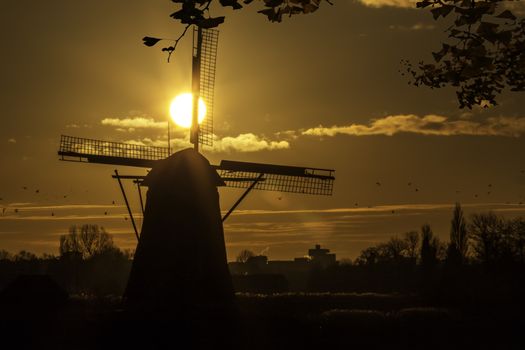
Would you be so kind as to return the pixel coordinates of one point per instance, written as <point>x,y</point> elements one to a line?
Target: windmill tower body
<point>181,254</point>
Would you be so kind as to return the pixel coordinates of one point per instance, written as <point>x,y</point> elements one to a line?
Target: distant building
<point>321,257</point>
<point>295,271</point>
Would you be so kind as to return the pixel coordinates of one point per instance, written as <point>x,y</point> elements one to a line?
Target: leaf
<point>232,3</point>
<point>422,4</point>
<point>149,41</point>
<point>442,11</point>
<point>506,15</point>
<point>273,3</point>
<point>268,12</point>
<point>309,8</point>
<point>208,23</point>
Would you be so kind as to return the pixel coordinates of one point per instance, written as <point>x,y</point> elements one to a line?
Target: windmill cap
<point>182,166</point>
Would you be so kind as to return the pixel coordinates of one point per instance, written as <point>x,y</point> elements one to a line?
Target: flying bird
<point>65,196</point>
<point>105,213</point>
<point>417,189</point>
<point>476,196</point>
<point>356,204</point>
<point>16,210</point>
<point>393,211</point>
<point>378,183</point>
<point>37,191</point>
<point>24,188</point>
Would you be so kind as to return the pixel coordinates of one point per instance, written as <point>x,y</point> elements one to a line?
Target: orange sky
<point>321,90</point>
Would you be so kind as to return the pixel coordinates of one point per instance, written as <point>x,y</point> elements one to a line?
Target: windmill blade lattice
<point>208,57</point>
<point>271,177</point>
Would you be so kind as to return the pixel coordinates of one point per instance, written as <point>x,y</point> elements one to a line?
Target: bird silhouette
<point>356,204</point>
<point>37,191</point>
<point>393,211</point>
<point>105,213</point>
<point>24,187</point>
<point>378,183</point>
<point>409,184</point>
<point>476,196</point>
<point>65,196</point>
<point>16,210</point>
<point>417,189</point>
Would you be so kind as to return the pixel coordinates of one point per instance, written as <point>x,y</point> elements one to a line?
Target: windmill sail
<point>235,174</point>
<point>206,77</point>
<point>106,152</point>
<point>281,178</point>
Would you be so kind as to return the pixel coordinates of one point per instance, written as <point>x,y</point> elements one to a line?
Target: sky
<point>320,90</point>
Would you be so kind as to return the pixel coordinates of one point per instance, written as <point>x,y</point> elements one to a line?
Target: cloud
<point>241,143</point>
<point>416,27</point>
<point>11,140</point>
<point>427,125</point>
<point>390,3</point>
<point>247,143</point>
<point>176,143</point>
<point>134,123</point>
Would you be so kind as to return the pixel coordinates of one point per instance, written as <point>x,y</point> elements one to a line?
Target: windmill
<point>181,254</point>
<point>235,174</point>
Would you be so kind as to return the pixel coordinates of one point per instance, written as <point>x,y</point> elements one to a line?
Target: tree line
<point>89,262</point>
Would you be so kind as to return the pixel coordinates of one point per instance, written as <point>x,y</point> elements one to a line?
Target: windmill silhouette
<point>182,198</point>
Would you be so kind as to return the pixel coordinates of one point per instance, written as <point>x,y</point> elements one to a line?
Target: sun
<point>181,110</point>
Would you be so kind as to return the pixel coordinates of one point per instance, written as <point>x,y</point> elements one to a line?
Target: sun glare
<point>181,110</point>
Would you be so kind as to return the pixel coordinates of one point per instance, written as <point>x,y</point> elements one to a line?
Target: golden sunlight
<point>181,110</point>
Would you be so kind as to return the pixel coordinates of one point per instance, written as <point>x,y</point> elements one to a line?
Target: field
<point>281,321</point>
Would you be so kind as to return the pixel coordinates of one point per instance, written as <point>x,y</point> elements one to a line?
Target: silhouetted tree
<point>484,55</point>
<point>395,248</point>
<point>24,255</point>
<point>244,255</point>
<point>519,239</point>
<point>86,241</point>
<point>4,255</point>
<point>412,242</point>
<point>368,256</point>
<point>429,248</point>
<point>458,246</point>
<point>496,240</point>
